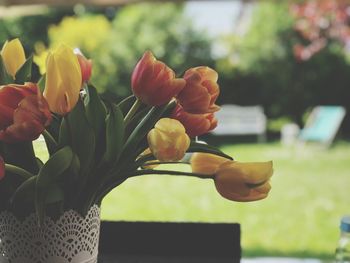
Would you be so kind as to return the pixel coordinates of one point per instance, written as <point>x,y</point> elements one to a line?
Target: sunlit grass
<point>299,218</point>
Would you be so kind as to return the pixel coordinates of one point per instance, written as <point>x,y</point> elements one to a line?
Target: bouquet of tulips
<point>95,145</point>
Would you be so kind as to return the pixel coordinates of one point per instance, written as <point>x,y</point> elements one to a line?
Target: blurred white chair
<point>241,120</point>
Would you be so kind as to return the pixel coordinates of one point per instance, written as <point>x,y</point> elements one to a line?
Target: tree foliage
<point>116,47</point>
<point>266,71</point>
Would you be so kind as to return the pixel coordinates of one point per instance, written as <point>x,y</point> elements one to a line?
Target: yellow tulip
<point>206,163</point>
<point>63,80</point>
<point>13,56</point>
<point>168,140</point>
<point>243,182</point>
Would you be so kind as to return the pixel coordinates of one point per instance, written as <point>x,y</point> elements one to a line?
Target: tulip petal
<point>63,80</point>
<point>233,180</point>
<point>153,82</point>
<point>205,163</point>
<point>13,56</point>
<point>168,140</point>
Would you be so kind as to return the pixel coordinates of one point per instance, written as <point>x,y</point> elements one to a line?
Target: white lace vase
<point>70,239</point>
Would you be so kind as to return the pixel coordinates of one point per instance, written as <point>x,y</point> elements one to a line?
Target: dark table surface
<point>151,242</point>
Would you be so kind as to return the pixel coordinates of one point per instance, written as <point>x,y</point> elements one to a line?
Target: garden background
<point>269,58</point>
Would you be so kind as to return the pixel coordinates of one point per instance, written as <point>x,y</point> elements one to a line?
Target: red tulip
<point>201,90</point>
<point>153,82</point>
<point>24,113</point>
<point>85,66</point>
<point>195,124</point>
<point>2,168</point>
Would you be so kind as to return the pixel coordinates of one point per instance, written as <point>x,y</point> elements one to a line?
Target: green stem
<point>18,170</point>
<point>132,111</point>
<point>166,172</point>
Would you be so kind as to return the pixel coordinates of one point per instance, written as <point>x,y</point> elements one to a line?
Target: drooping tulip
<point>63,80</point>
<point>85,67</point>
<point>243,182</point>
<point>168,140</point>
<point>201,91</point>
<point>153,82</point>
<point>206,163</point>
<point>2,168</point>
<point>24,113</point>
<point>195,124</point>
<point>13,56</point>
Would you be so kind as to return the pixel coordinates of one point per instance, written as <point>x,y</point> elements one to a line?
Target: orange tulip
<point>201,91</point>
<point>206,163</point>
<point>10,97</point>
<point>153,82</point>
<point>85,66</point>
<point>243,182</point>
<point>195,124</point>
<point>24,113</point>
<point>2,168</point>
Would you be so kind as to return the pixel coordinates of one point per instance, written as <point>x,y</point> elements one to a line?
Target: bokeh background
<point>286,56</point>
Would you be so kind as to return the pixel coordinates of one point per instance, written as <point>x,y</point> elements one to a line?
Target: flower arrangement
<point>95,145</point>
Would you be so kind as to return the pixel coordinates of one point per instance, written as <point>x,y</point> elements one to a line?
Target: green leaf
<point>48,177</point>
<point>41,83</point>
<point>23,198</point>
<point>96,114</point>
<point>64,136</point>
<point>95,109</point>
<point>136,120</point>
<point>15,170</point>
<point>39,162</point>
<point>81,136</point>
<point>5,78</point>
<point>22,155</point>
<point>50,141</point>
<point>54,194</point>
<point>205,148</point>
<point>140,132</point>
<point>126,104</point>
<point>114,134</point>
<point>25,71</point>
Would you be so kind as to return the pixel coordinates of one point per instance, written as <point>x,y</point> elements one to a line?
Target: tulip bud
<point>85,67</point>
<point>205,163</point>
<point>243,182</point>
<point>63,80</point>
<point>13,56</point>
<point>168,140</point>
<point>195,124</point>
<point>201,91</point>
<point>2,168</point>
<point>153,82</point>
<point>24,113</point>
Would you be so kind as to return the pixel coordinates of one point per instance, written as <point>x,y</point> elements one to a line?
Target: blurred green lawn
<point>300,217</point>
